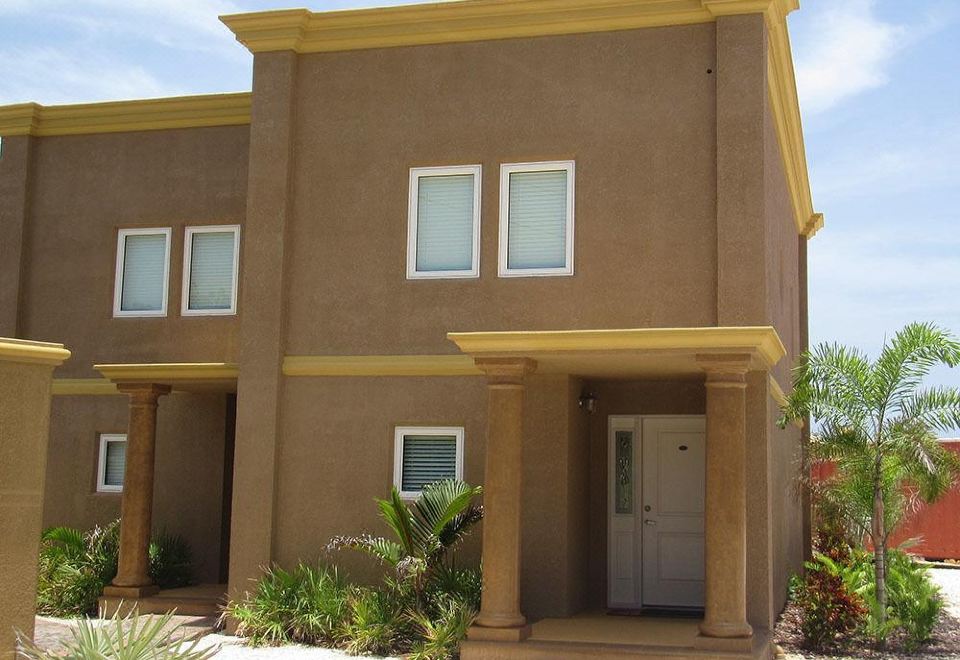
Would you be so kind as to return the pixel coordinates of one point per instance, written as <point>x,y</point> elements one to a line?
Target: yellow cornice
<point>118,116</point>
<point>83,386</point>
<point>379,365</point>
<point>169,372</point>
<point>761,341</point>
<point>32,352</point>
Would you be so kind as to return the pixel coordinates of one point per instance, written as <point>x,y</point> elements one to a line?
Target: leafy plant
<point>170,561</point>
<point>877,426</point>
<point>127,638</point>
<point>831,610</point>
<point>442,631</point>
<point>377,622</point>
<point>306,605</point>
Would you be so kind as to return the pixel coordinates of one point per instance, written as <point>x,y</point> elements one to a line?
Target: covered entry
<point>656,486</point>
<point>697,556</point>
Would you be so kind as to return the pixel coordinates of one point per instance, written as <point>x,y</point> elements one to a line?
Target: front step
<point>200,600</point>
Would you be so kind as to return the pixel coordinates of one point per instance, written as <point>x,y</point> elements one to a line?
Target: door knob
<point>647,521</point>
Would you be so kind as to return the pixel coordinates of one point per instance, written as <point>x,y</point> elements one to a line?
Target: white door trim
<point>634,423</point>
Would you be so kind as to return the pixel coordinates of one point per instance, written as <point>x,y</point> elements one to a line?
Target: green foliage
<point>306,605</point>
<point>74,566</point>
<point>377,622</point>
<point>441,632</point>
<point>127,638</point>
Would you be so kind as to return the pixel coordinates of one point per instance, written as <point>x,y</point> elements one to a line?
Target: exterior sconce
<point>588,402</point>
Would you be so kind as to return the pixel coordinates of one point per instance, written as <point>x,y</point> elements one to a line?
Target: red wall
<point>937,525</point>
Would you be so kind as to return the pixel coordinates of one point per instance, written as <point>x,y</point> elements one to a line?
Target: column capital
<point>505,370</point>
<point>143,393</point>
<point>725,370</point>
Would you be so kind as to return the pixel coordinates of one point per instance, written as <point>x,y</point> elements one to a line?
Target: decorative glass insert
<point>624,468</point>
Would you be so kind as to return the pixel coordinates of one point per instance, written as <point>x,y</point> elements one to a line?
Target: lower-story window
<point>112,463</point>
<point>424,455</point>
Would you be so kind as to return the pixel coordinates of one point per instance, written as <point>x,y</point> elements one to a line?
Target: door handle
<point>647,521</point>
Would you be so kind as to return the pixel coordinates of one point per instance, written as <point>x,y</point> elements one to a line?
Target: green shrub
<point>442,631</point>
<point>830,610</point>
<point>128,638</point>
<point>74,566</point>
<point>377,622</point>
<point>306,605</point>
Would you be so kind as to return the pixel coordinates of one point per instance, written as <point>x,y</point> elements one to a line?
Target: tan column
<point>136,508</point>
<point>500,617</point>
<point>25,371</point>
<point>725,614</point>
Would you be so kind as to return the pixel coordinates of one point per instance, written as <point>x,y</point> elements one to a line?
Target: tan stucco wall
<point>636,110</point>
<point>189,468</point>
<point>24,417</point>
<point>82,188</point>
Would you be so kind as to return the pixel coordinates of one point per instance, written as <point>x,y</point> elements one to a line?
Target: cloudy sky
<point>878,84</point>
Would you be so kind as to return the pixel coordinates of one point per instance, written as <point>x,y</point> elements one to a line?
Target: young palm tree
<point>877,424</point>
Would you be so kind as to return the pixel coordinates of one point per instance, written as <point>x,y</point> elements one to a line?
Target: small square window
<point>443,225</point>
<point>143,269</point>
<point>536,219</point>
<point>424,455</point>
<point>210,270</point>
<point>112,463</point>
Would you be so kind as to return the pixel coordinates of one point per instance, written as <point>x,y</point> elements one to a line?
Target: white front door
<point>656,499</point>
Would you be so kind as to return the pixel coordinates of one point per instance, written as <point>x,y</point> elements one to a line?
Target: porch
<point>723,360</point>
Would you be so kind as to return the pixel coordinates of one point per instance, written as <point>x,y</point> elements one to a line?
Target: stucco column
<point>25,374</point>
<point>500,617</point>
<point>136,508</point>
<point>725,611</point>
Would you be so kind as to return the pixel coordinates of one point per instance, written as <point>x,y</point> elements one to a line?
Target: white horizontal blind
<point>211,270</point>
<point>144,266</point>
<point>445,223</point>
<point>537,230</point>
<point>115,463</point>
<point>426,459</point>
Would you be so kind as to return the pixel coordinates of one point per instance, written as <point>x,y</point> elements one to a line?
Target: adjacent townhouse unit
<point>553,247</point>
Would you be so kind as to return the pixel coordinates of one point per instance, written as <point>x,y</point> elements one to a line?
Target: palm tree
<point>877,424</point>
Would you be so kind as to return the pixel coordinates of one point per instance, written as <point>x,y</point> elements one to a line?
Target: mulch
<point>944,644</point>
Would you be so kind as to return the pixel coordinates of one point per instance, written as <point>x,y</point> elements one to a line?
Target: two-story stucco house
<point>553,247</point>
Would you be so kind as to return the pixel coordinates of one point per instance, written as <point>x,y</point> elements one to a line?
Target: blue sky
<point>879,89</point>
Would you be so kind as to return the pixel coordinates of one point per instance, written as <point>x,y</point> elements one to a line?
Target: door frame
<point>621,423</point>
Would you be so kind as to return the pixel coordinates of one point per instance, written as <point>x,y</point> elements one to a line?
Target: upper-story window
<point>210,267</point>
<point>443,227</point>
<point>536,219</point>
<point>143,269</point>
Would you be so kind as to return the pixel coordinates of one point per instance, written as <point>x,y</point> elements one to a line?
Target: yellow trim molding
<point>304,31</point>
<point>167,372</point>
<point>32,352</point>
<point>762,341</point>
<point>379,365</point>
<point>83,386</point>
<point>119,116</point>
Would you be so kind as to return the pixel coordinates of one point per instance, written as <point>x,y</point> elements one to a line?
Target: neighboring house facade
<point>553,247</point>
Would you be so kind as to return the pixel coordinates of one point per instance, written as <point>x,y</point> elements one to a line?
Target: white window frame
<point>187,260</point>
<point>102,486</point>
<point>506,169</point>
<point>412,212</point>
<point>118,277</point>
<point>398,436</point>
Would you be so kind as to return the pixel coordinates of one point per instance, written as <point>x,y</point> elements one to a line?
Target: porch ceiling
<point>626,353</point>
<point>181,376</point>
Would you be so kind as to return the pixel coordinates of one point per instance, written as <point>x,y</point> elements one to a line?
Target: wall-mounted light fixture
<point>588,402</point>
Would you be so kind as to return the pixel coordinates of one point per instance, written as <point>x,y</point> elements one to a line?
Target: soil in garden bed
<point>945,643</point>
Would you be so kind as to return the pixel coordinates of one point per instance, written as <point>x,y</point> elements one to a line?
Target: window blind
<point>211,270</point>
<point>144,266</point>
<point>426,459</point>
<point>537,229</point>
<point>445,222</point>
<point>115,463</point>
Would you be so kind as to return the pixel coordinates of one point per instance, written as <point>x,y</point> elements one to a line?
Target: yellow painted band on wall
<point>380,365</point>
<point>157,372</point>
<point>83,386</point>
<point>117,116</point>
<point>32,352</point>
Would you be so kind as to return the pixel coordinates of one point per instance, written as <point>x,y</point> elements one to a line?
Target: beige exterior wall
<point>189,469</point>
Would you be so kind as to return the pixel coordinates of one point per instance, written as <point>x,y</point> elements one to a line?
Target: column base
<point>133,593</point>
<point>488,634</point>
<point>728,644</point>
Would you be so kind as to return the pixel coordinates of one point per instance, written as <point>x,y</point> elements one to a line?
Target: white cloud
<point>844,51</point>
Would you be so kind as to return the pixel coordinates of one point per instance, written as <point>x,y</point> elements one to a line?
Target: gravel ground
<point>945,644</point>
<point>233,648</point>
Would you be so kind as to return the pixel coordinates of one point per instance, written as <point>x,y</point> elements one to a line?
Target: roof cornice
<point>119,116</point>
<point>304,31</point>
